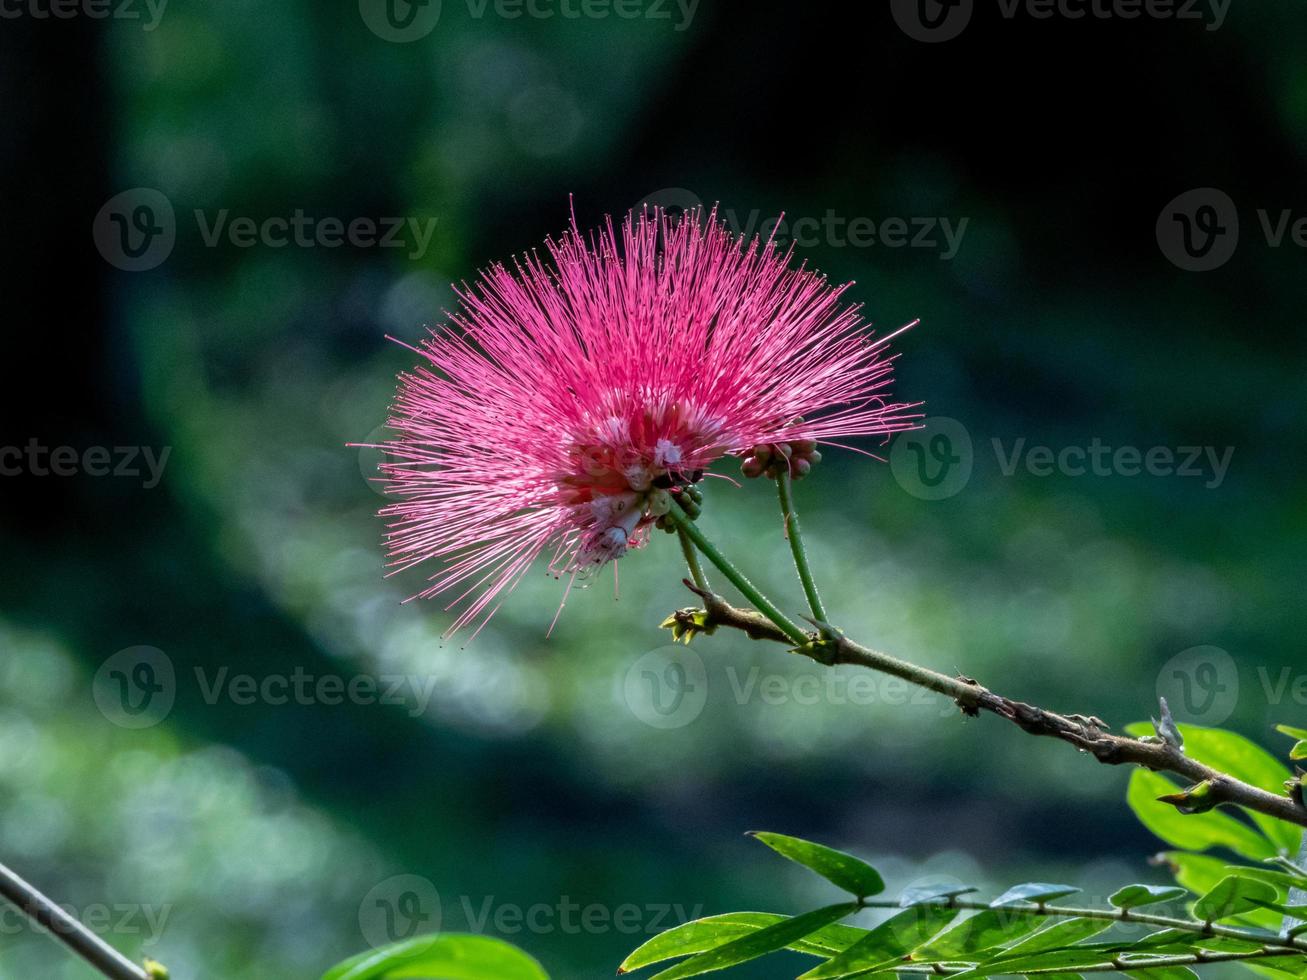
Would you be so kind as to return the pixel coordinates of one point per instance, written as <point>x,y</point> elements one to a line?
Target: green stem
<point>692,559</point>
<point>1134,967</point>
<point>736,577</point>
<point>784,490</point>
<point>1130,915</point>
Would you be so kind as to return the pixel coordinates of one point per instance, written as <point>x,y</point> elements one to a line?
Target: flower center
<point>618,476</point>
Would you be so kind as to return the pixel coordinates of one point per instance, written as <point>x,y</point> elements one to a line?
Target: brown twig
<point>1087,733</point>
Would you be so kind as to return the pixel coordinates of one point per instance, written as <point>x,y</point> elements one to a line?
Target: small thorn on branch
<point>970,710</point>
<point>1294,786</point>
<point>1166,729</point>
<point>703,594</point>
<point>1198,798</point>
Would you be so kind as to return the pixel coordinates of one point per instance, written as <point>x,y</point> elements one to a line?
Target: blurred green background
<point>526,770</point>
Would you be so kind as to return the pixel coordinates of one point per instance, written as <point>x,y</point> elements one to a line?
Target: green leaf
<point>1194,832</point>
<point>1299,751</point>
<point>887,943</point>
<point>1137,896</point>
<point>1224,944</point>
<point>1163,973</point>
<point>1054,959</point>
<point>1293,869</point>
<point>1171,941</point>
<point>1068,932</point>
<point>982,931</point>
<point>760,943</point>
<point>1031,893</point>
<point>1233,895</point>
<point>1244,759</point>
<point>1289,968</point>
<point>717,930</point>
<point>843,870</point>
<point>1281,880</point>
<point>1298,912</point>
<point>1164,941</point>
<point>449,956</point>
<point>930,894</point>
<point>1200,874</point>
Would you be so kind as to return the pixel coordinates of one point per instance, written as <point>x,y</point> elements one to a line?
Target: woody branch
<point>1086,733</point>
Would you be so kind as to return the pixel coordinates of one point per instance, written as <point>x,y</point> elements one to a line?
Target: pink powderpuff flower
<point>569,395</point>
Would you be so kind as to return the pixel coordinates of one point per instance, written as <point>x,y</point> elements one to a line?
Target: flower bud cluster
<point>774,458</point>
